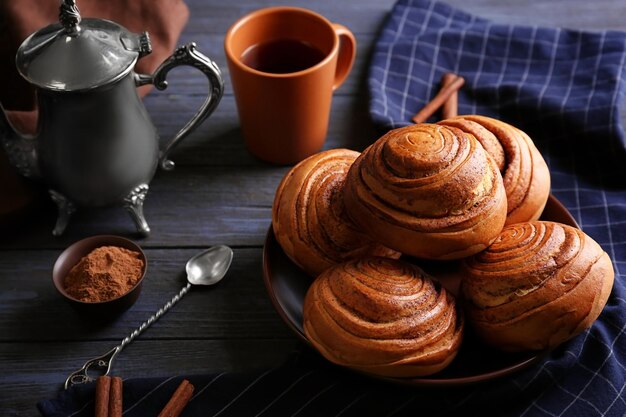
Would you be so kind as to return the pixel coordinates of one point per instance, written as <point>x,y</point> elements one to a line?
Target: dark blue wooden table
<point>218,194</point>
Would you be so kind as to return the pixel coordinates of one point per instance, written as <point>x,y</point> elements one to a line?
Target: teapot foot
<point>65,210</point>
<point>134,204</point>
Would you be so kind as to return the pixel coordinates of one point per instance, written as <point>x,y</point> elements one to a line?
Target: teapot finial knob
<point>69,16</point>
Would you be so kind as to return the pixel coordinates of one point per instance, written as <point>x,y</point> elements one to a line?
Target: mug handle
<point>186,55</point>
<point>347,53</point>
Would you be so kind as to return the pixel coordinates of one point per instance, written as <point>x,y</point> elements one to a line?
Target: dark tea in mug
<point>282,56</point>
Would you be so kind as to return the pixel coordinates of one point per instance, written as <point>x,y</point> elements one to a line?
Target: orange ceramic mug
<point>285,63</point>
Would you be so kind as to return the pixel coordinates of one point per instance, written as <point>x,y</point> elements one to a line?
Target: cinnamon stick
<point>450,107</point>
<point>442,96</point>
<point>103,388</point>
<point>179,400</point>
<point>115,397</point>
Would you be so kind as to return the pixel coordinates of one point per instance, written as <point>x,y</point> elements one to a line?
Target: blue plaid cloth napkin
<point>565,88</point>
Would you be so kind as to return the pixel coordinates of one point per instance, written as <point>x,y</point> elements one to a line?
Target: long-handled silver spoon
<point>205,268</point>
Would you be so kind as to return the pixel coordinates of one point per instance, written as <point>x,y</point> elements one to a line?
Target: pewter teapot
<point>95,143</point>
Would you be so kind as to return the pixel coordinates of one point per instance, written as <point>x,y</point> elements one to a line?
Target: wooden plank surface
<point>218,194</point>
<point>237,307</point>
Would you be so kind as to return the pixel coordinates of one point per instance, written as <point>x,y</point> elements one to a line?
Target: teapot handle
<point>186,55</point>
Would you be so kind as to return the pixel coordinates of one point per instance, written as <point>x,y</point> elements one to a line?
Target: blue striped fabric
<point>565,89</point>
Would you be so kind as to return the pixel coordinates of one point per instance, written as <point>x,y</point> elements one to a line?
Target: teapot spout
<point>20,149</point>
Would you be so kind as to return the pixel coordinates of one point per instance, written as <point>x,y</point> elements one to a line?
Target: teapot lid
<point>79,54</point>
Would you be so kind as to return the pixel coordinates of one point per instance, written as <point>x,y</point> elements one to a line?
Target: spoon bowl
<point>210,266</point>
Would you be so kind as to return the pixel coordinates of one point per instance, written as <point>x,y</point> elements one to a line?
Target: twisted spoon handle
<point>154,317</point>
<point>102,364</point>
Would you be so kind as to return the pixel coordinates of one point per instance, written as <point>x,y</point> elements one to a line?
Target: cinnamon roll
<point>524,171</point>
<point>429,191</point>
<point>538,285</point>
<point>382,316</point>
<point>309,219</point>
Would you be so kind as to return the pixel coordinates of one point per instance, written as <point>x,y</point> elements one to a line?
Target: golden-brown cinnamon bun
<point>538,285</point>
<point>524,171</point>
<point>308,215</point>
<point>429,191</point>
<point>382,316</point>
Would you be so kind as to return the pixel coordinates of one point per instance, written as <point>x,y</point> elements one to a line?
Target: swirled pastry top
<point>382,316</point>
<point>309,218</point>
<point>524,171</point>
<point>537,285</point>
<point>429,191</point>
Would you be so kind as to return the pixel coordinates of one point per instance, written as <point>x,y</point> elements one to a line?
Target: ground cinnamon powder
<point>105,273</point>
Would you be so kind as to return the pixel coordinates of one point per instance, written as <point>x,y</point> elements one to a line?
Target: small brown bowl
<point>74,253</point>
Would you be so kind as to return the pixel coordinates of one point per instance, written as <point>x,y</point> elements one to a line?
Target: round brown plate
<point>287,284</point>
